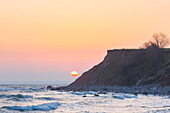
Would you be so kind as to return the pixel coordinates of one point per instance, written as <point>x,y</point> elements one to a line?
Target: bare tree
<point>148,45</point>
<point>160,40</point>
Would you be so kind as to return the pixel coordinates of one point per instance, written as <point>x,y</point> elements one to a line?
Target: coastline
<point>153,89</point>
<point>132,71</point>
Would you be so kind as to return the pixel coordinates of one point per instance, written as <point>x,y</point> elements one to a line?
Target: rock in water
<point>145,93</point>
<point>96,95</point>
<point>49,87</point>
<point>84,96</point>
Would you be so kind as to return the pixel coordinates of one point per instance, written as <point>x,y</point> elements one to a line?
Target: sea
<point>35,98</point>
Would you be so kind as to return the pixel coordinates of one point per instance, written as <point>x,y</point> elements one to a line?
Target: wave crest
<point>46,98</point>
<point>16,96</point>
<point>41,107</point>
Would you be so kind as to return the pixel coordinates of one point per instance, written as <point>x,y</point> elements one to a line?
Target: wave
<point>16,96</point>
<point>130,96</point>
<point>84,93</point>
<point>46,98</point>
<point>41,107</point>
<point>2,90</point>
<point>118,97</point>
<point>78,93</point>
<point>91,92</point>
<point>22,89</point>
<point>123,96</point>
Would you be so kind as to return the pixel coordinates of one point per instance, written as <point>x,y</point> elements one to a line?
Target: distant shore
<point>145,89</point>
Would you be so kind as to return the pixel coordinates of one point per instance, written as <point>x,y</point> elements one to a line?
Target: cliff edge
<point>129,67</point>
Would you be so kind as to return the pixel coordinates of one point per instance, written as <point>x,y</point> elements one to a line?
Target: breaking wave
<point>41,107</point>
<point>123,96</point>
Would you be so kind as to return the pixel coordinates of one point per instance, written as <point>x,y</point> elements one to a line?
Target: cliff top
<point>114,50</point>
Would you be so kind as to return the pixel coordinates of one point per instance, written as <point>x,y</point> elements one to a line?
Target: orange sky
<point>47,39</point>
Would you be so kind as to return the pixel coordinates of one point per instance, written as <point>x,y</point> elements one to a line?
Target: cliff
<point>129,67</point>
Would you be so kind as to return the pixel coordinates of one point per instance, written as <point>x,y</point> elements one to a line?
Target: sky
<point>44,40</point>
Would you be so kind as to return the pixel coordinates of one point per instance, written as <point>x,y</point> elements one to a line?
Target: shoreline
<point>144,89</point>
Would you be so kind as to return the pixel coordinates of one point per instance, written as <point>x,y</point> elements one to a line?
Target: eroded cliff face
<point>128,67</point>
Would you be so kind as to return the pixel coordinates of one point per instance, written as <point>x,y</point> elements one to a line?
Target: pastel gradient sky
<point>44,40</point>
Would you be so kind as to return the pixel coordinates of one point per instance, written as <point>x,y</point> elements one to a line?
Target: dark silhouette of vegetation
<point>160,40</point>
